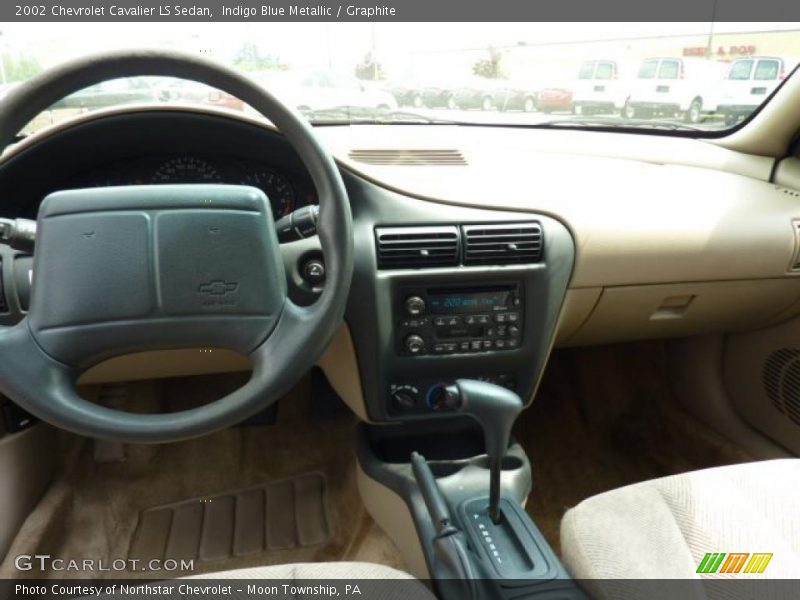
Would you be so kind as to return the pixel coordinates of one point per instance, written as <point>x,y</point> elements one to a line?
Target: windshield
<point>666,76</point>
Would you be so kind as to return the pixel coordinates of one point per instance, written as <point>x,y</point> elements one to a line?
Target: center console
<point>447,298</point>
<point>442,292</point>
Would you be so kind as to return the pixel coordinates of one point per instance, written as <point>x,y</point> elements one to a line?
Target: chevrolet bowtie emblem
<point>218,288</point>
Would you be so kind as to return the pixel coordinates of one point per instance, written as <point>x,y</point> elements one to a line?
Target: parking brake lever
<point>449,544</point>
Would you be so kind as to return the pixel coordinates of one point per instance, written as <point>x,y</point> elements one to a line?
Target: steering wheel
<point>134,268</point>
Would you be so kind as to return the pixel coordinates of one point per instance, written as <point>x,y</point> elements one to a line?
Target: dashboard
<point>657,231</point>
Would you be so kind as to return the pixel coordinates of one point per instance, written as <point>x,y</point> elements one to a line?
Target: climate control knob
<point>404,399</point>
<point>415,306</point>
<point>414,344</point>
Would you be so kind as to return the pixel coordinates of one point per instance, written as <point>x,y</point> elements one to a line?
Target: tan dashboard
<point>674,236</point>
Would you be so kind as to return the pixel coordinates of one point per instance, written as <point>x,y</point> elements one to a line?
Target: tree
<point>249,58</point>
<point>370,68</point>
<point>20,67</point>
<point>491,67</point>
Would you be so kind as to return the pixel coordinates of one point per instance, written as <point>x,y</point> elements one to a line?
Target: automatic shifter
<point>495,408</point>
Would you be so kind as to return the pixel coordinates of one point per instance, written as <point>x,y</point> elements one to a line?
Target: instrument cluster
<point>285,191</point>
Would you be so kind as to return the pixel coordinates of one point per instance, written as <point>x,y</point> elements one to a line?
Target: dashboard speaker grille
<point>409,157</point>
<point>502,244</point>
<point>417,247</point>
<point>782,381</point>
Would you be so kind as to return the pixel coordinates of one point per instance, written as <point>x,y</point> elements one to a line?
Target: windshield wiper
<point>368,116</point>
<point>617,122</point>
<point>406,116</point>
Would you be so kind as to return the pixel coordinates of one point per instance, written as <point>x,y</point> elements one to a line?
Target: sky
<point>326,44</point>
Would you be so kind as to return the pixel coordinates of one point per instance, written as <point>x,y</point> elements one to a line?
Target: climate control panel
<point>424,395</point>
<point>442,321</point>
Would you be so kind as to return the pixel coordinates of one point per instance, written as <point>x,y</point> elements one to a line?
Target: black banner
<point>398,10</point>
<point>743,587</point>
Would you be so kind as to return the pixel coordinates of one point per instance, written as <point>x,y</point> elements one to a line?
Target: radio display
<point>456,301</point>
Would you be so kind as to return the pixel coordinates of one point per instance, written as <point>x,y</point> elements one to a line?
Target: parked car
<point>316,90</point>
<point>477,92</point>
<point>182,90</point>
<point>675,86</point>
<point>748,82</point>
<point>222,99</point>
<point>554,98</point>
<point>125,90</point>
<point>601,87</point>
<point>516,95</point>
<point>438,95</point>
<point>406,94</point>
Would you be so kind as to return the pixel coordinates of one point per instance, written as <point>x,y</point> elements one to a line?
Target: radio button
<point>439,348</point>
<point>477,319</point>
<point>487,344</point>
<point>439,321</point>
<point>512,343</point>
<point>513,317</point>
<point>414,344</point>
<point>414,322</point>
<point>450,348</point>
<point>502,330</point>
<point>453,321</point>
<point>475,345</point>
<point>464,346</point>
<point>499,344</point>
<point>414,305</point>
<point>501,318</point>
<point>513,330</point>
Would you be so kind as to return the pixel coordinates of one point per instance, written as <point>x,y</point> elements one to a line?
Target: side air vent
<point>3,305</point>
<point>416,247</point>
<point>511,243</point>
<point>782,381</point>
<point>409,157</point>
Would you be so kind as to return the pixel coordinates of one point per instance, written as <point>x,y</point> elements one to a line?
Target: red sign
<point>737,50</point>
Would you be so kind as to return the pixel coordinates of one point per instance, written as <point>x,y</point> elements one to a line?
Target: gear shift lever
<point>495,408</point>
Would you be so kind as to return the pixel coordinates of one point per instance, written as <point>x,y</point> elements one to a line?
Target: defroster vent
<point>416,247</point>
<point>511,243</point>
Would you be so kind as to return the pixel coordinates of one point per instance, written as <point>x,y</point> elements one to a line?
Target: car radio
<point>453,320</point>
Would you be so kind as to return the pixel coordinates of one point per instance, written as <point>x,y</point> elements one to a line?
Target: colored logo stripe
<point>720,562</point>
<point>758,562</point>
<point>734,562</point>
<point>711,562</point>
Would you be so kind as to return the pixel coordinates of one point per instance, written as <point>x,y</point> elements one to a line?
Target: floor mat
<point>275,516</point>
<point>604,418</point>
<point>93,510</point>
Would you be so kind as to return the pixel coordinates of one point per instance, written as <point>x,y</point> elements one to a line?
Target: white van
<point>675,86</point>
<point>749,82</point>
<point>601,87</point>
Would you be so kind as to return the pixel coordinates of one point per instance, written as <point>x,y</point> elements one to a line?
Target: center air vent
<point>409,157</point>
<point>502,244</point>
<point>416,247</point>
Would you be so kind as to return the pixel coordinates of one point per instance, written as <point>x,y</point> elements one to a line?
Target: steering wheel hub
<point>143,266</point>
